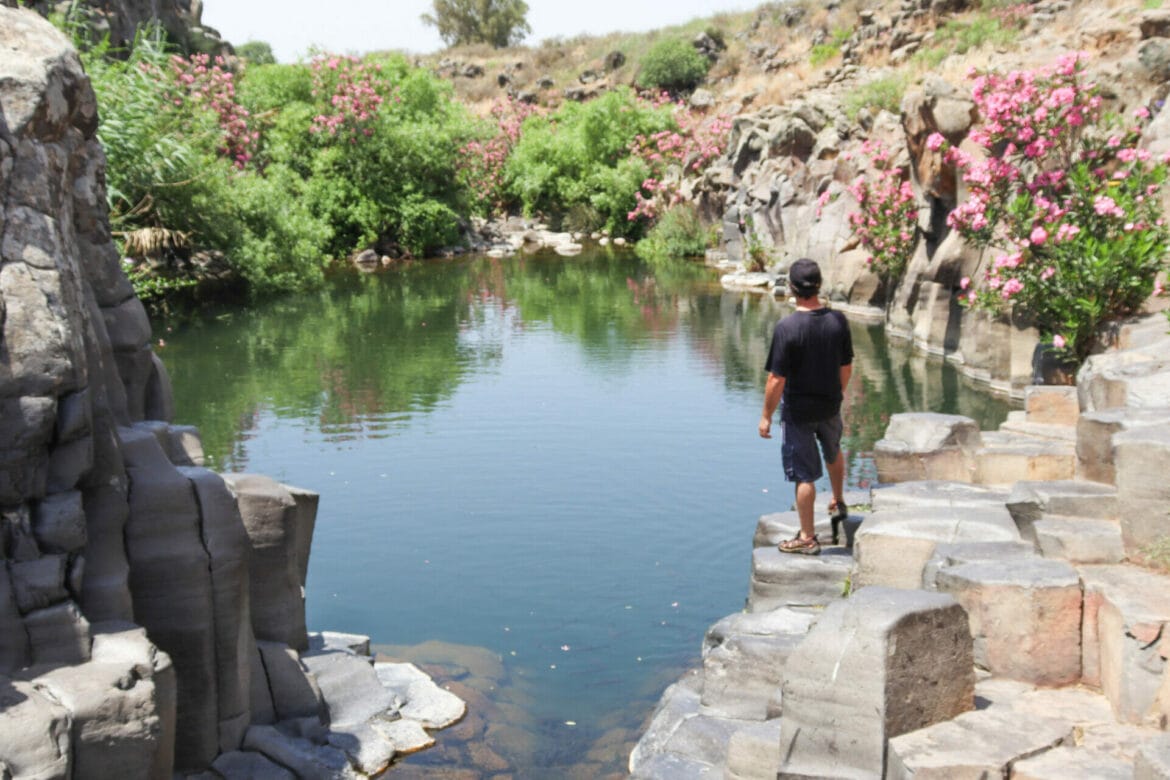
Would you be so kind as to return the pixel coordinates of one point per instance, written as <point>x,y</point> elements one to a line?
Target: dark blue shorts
<point>802,461</point>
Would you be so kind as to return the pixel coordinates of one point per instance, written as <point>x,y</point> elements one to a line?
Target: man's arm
<point>846,373</point>
<point>773,391</point>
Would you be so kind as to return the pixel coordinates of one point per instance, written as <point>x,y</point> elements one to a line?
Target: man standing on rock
<point>809,365</point>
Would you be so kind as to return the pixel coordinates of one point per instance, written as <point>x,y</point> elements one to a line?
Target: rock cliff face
<point>783,181</point>
<point>151,611</point>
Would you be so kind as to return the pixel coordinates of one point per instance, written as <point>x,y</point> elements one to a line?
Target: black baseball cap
<point>804,277</point>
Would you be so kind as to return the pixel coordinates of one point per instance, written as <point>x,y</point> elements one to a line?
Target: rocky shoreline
<point>989,611</point>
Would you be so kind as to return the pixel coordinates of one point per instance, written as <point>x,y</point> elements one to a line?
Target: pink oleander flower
<point>965,282</point>
<point>1039,236</point>
<point>1047,274</point>
<point>1058,341</point>
<point>935,141</point>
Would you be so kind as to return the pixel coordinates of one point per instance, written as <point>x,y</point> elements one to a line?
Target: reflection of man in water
<point>809,365</point>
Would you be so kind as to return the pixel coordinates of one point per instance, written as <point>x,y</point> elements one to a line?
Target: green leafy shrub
<point>673,65</point>
<point>256,53</point>
<point>678,233</point>
<point>280,167</point>
<point>580,155</point>
<point>879,94</point>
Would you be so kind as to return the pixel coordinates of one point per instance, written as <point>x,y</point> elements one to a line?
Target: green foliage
<point>823,52</point>
<point>961,36</point>
<point>256,53</point>
<point>883,93</point>
<point>678,233</point>
<point>309,191</point>
<point>499,23</point>
<point>1157,554</point>
<point>152,287</point>
<point>579,156</point>
<point>674,65</point>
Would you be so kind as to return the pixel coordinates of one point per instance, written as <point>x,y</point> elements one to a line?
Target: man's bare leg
<point>836,471</point>
<point>806,496</point>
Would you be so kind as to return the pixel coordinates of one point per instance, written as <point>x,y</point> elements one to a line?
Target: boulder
<point>35,728</point>
<point>928,446</point>
<point>117,729</point>
<point>279,522</point>
<point>1025,617</point>
<point>847,691</point>
<point>124,643</point>
<point>59,523</point>
<point>1095,432</point>
<point>893,547</point>
<point>1126,615</point>
<point>1141,456</point>
<point>58,634</point>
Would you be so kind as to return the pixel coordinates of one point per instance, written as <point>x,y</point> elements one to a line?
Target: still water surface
<point>539,477</point>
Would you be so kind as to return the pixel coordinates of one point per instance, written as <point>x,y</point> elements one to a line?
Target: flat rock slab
<point>368,750</point>
<point>1066,761</point>
<point>752,753</point>
<point>791,580</point>
<point>335,640</point>
<point>1079,540</point>
<point>976,744</point>
<point>418,698</point>
<point>407,736</point>
<point>1029,501</point>
<point>934,493</point>
<point>1153,759</point>
<point>947,556</point>
<point>1007,457</point>
<point>782,620</point>
<point>777,527</point>
<point>893,547</point>
<point>1025,617</point>
<point>349,686</point>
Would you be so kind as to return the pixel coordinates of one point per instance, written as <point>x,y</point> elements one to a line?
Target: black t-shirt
<point>808,350</point>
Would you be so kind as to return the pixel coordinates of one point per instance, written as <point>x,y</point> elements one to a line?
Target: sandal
<point>838,511</point>
<point>801,546</point>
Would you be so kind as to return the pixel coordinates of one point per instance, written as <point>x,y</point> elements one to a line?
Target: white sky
<point>356,26</point>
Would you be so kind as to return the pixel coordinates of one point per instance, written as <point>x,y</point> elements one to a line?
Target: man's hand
<point>765,427</point>
<point>773,392</point>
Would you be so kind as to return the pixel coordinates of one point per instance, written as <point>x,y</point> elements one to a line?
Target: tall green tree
<point>500,23</point>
